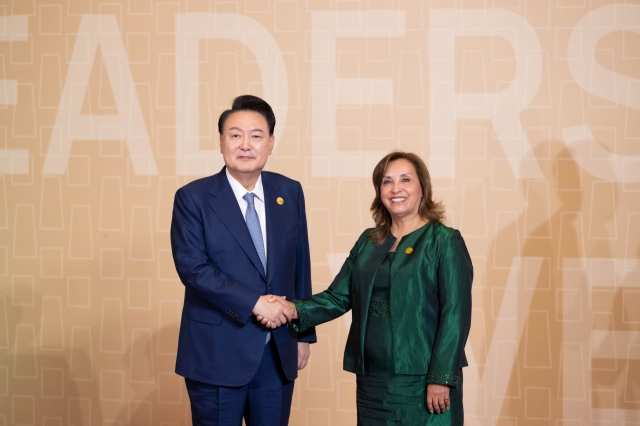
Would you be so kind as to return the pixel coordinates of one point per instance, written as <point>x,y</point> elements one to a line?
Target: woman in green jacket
<point>408,284</point>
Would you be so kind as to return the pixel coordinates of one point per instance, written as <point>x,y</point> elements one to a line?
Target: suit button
<point>269,288</point>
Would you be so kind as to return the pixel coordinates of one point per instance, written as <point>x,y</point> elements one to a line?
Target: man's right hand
<point>271,314</point>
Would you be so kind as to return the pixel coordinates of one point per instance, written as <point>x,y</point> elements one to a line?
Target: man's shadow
<point>40,375</point>
<point>153,392</point>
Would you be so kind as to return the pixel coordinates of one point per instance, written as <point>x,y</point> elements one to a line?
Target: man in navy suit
<point>238,237</point>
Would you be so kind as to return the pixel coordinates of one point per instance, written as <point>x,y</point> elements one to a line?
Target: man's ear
<point>272,142</point>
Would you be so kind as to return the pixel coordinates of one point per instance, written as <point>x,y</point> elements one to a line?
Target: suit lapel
<point>223,202</point>
<point>275,223</point>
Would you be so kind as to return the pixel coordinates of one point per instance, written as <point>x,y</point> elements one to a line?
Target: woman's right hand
<point>295,311</point>
<point>290,314</point>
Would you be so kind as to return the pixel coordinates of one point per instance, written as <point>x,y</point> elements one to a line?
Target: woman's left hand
<point>438,398</point>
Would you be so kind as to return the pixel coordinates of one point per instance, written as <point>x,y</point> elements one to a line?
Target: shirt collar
<point>239,190</point>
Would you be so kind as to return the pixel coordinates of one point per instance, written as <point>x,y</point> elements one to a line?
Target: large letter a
<point>128,124</point>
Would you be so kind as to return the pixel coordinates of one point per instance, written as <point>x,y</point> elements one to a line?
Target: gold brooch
<point>408,250</point>
<point>280,200</point>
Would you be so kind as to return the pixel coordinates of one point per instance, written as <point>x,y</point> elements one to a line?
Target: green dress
<point>382,396</point>
<point>419,339</point>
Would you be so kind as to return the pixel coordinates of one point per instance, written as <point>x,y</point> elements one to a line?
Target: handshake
<point>273,311</point>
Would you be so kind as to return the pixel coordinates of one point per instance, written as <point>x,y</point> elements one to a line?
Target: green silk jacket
<point>430,302</point>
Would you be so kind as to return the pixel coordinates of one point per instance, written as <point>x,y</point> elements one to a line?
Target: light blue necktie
<point>253,223</point>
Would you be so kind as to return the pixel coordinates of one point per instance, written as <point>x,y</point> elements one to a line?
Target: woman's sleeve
<point>455,274</point>
<point>331,303</point>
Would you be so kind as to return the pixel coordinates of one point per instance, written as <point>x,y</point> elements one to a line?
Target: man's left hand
<point>304,350</point>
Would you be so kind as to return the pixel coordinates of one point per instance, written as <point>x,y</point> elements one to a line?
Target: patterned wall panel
<point>526,111</point>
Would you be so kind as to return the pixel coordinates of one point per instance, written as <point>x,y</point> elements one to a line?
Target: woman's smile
<point>400,189</point>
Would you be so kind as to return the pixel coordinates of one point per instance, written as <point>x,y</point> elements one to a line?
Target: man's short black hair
<point>249,103</point>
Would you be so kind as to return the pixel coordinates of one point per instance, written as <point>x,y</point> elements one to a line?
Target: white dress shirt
<point>258,200</point>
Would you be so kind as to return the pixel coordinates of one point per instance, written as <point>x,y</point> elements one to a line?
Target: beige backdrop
<point>527,112</point>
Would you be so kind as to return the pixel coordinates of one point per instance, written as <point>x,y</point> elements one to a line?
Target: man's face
<point>245,143</point>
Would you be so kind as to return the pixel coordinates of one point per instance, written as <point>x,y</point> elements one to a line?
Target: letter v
<point>485,395</point>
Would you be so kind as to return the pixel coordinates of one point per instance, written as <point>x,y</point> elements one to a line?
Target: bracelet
<point>295,310</point>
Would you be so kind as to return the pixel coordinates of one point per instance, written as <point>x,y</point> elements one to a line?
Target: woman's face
<point>400,190</point>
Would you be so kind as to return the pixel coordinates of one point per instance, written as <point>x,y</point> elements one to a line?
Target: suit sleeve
<point>455,275</point>
<point>195,269</point>
<point>303,266</point>
<point>331,303</point>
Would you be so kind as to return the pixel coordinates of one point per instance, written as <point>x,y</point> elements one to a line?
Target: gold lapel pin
<point>280,200</point>
<point>408,250</point>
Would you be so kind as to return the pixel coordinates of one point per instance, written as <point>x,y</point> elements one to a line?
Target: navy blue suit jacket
<point>220,341</point>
